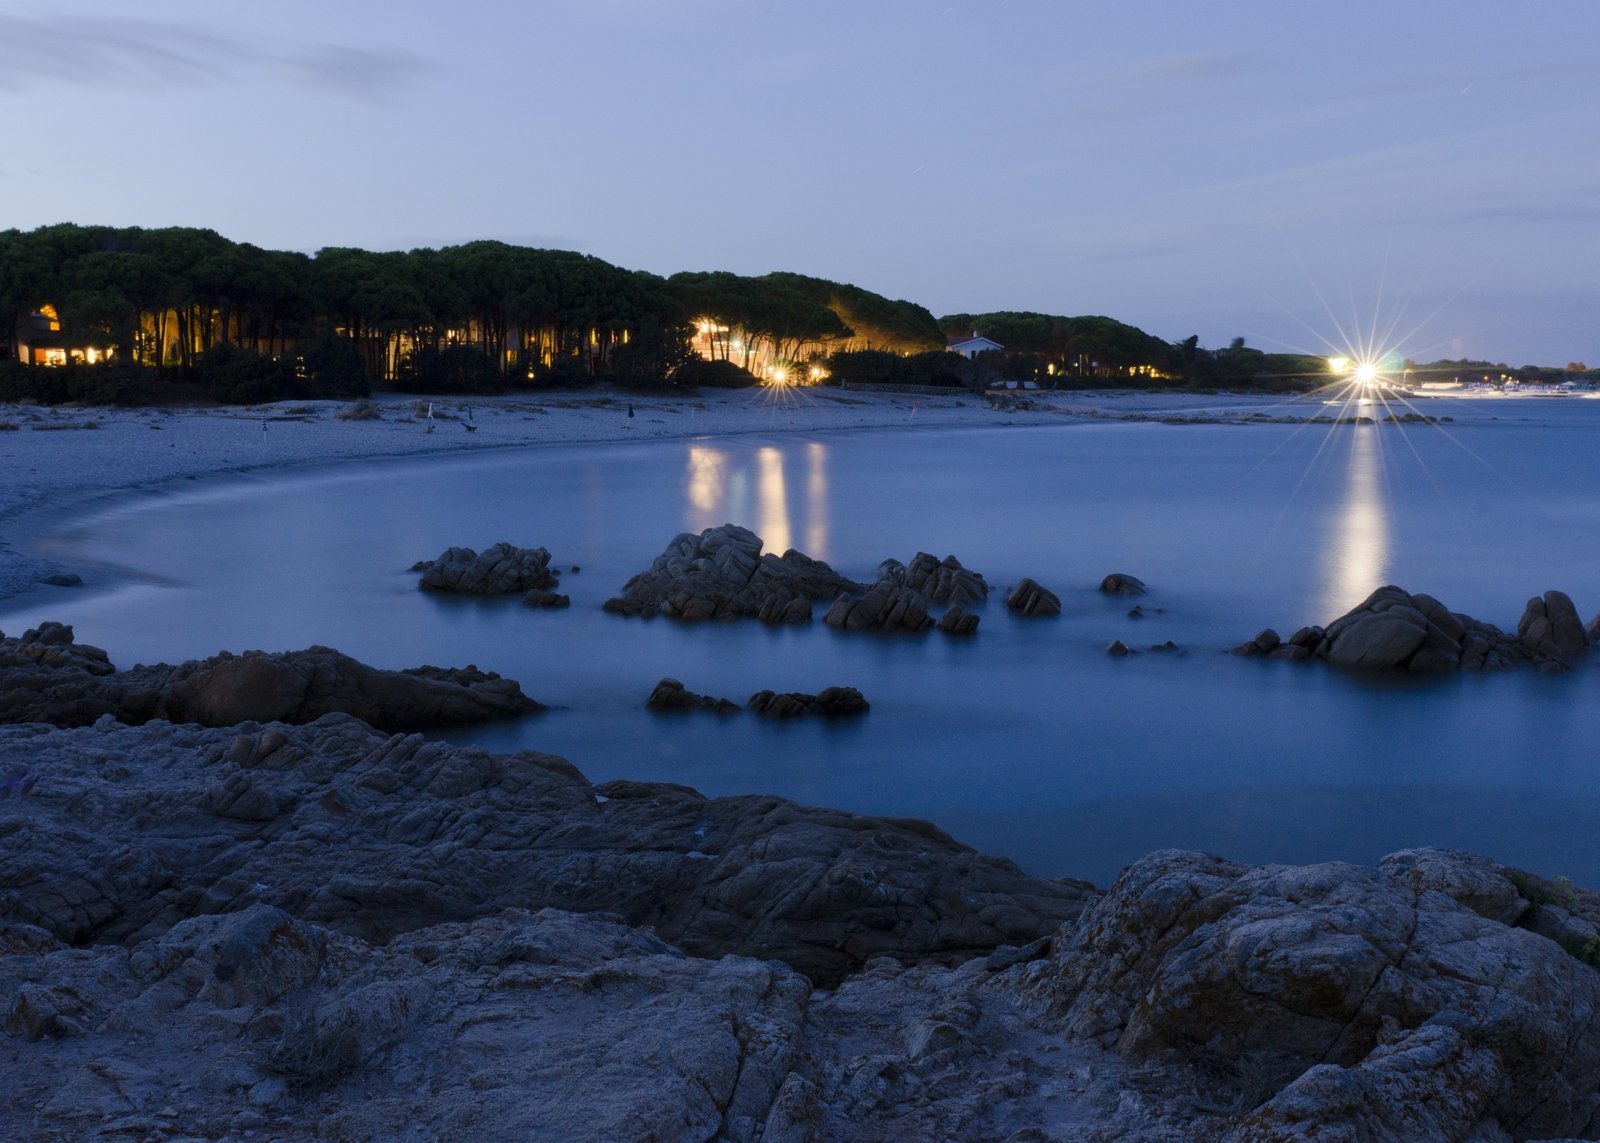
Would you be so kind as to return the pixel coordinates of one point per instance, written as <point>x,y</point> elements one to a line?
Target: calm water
<point>1027,740</point>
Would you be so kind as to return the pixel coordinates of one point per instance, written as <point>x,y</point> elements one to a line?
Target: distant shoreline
<point>65,461</point>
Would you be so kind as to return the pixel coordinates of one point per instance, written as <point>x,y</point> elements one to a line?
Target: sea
<point>1026,739</point>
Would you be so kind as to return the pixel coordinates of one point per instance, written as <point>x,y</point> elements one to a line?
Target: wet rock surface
<point>500,569</point>
<point>46,676</point>
<point>1396,630</point>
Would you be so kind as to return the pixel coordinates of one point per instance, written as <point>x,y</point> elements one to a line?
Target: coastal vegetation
<point>130,315</point>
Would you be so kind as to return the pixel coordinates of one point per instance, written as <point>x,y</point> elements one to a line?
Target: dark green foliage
<point>652,357</point>
<point>330,367</point>
<point>245,377</point>
<point>937,368</point>
<point>700,373</point>
<point>463,369</point>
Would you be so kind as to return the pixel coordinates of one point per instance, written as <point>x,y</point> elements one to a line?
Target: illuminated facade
<point>39,340</point>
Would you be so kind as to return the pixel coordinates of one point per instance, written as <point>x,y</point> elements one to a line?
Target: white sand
<point>59,461</point>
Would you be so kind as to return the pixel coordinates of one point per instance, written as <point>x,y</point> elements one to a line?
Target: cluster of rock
<point>46,676</point>
<point>500,569</point>
<point>830,702</point>
<point>722,574</point>
<point>671,696</point>
<point>1395,630</point>
<point>904,596</point>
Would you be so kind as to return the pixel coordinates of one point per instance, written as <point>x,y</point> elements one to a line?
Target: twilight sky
<point>1273,169</point>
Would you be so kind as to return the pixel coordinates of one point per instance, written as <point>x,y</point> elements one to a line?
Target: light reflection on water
<point>1355,555</point>
<point>1026,740</point>
<point>718,483</point>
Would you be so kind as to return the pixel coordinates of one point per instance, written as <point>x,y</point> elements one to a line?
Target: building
<point>39,341</point>
<point>970,347</point>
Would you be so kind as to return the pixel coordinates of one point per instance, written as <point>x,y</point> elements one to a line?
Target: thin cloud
<point>158,55</point>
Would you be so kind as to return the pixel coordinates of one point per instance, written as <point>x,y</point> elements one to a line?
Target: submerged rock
<point>45,676</point>
<point>1122,585</point>
<point>497,570</point>
<point>670,695</point>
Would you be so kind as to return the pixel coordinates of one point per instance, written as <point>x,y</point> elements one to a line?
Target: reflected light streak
<point>707,479</point>
<point>1355,559</point>
<point>817,500</point>
<point>773,502</point>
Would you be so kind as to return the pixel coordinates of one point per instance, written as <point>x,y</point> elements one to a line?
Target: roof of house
<point>969,342</point>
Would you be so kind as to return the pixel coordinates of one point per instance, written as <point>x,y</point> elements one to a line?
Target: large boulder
<point>1122,584</point>
<point>497,570</point>
<point>1550,629</point>
<point>47,677</point>
<point>1331,1001</point>
<point>722,574</point>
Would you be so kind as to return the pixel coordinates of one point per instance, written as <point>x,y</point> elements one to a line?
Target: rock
<point>722,574</point>
<point>1032,600</point>
<point>886,606</point>
<point>958,621</point>
<point>670,695</point>
<point>1265,642</point>
<point>62,579</point>
<point>832,702</point>
<point>547,599</point>
<point>1331,1001</point>
<point>1395,630</point>
<point>938,581</point>
<point>1117,649</point>
<point>46,677</point>
<point>380,835</point>
<point>498,570</point>
<point>1550,629</point>
<point>1122,585</point>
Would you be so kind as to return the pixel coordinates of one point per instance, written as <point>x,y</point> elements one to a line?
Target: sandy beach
<point>63,460</point>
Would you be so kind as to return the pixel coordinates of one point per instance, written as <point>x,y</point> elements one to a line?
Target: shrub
<point>700,373</point>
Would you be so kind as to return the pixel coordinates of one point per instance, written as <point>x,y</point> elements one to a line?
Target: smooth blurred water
<point>1026,740</point>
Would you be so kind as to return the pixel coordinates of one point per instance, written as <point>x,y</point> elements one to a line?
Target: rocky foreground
<point>326,932</point>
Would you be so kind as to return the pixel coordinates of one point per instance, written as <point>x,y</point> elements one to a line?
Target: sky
<point>1305,175</point>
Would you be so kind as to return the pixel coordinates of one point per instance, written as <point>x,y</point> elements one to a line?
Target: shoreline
<point>69,462</point>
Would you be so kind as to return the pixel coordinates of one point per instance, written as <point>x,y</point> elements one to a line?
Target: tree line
<point>188,306</point>
<point>128,310</point>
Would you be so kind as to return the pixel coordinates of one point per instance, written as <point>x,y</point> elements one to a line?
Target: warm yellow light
<point>780,376</point>
<point>1339,365</point>
<point>818,373</point>
<point>1366,373</point>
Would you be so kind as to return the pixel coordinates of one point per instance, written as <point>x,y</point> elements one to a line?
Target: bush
<point>700,373</point>
<point>244,377</point>
<point>332,368</point>
<point>453,369</point>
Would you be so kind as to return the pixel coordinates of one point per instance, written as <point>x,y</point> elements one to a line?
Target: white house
<point>970,347</point>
